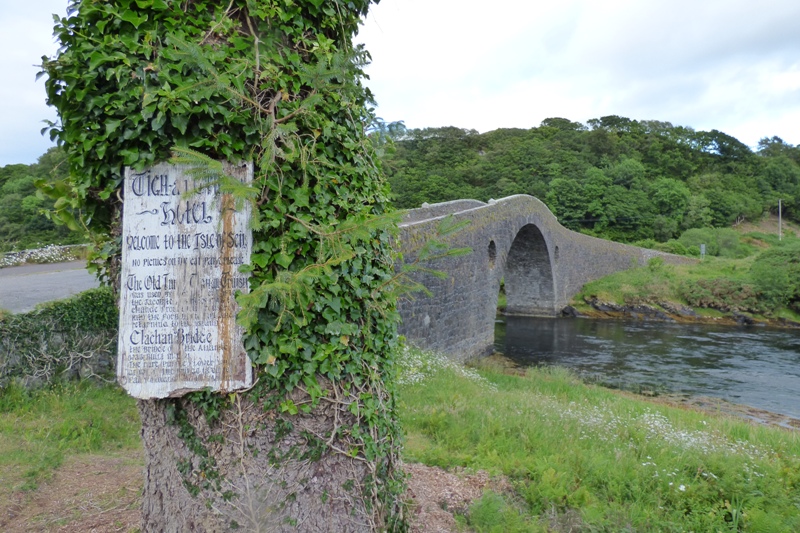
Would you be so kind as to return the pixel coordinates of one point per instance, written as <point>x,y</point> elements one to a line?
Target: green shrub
<point>92,310</point>
<point>722,242</point>
<point>723,294</point>
<point>62,340</point>
<point>776,275</point>
<point>698,236</point>
<point>730,245</point>
<point>672,247</point>
<point>492,514</point>
<point>647,243</point>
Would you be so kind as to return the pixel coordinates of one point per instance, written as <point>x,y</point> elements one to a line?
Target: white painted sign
<point>182,245</point>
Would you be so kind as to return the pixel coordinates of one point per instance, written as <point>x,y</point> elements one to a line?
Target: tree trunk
<point>277,83</point>
<point>252,469</point>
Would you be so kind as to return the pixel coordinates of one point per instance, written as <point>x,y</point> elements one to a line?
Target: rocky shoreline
<point>668,312</point>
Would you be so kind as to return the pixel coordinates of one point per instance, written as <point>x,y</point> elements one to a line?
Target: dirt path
<point>88,493</point>
<point>99,494</point>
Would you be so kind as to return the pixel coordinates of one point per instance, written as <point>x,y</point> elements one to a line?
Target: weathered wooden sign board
<point>182,245</point>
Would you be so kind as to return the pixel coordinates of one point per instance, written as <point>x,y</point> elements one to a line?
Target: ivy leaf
<point>288,406</point>
<point>96,59</point>
<point>159,5</point>
<point>112,125</point>
<point>133,18</point>
<point>181,122</point>
<point>284,260</point>
<point>259,259</point>
<point>300,196</point>
<point>158,122</point>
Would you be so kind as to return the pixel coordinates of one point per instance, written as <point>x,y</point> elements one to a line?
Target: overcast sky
<point>731,65</point>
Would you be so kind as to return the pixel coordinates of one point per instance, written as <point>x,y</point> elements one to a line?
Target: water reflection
<point>758,367</point>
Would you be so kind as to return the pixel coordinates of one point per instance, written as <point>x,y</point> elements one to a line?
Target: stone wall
<point>517,239</point>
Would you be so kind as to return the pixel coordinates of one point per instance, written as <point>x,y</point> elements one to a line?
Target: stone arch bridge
<point>515,239</point>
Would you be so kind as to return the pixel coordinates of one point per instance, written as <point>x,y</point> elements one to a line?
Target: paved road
<point>22,287</point>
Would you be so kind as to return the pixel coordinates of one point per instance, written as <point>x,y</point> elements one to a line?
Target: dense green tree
<point>23,220</point>
<point>628,173</point>
<point>670,199</point>
<point>698,213</point>
<point>780,178</point>
<point>775,146</point>
<point>566,200</point>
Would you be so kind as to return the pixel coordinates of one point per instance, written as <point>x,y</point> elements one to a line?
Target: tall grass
<point>575,452</point>
<point>39,428</point>
<point>578,457</point>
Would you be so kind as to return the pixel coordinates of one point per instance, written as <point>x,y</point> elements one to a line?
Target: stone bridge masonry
<point>516,239</point>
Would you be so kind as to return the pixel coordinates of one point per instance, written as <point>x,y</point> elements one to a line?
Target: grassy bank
<point>583,458</point>
<point>38,430</point>
<point>751,273</point>
<point>577,457</point>
<point>714,288</point>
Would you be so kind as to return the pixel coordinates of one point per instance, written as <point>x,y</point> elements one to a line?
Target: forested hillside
<point>614,177</point>
<point>22,224</point>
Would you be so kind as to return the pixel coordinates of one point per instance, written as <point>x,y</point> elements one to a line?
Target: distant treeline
<point>22,222</point>
<point>613,177</point>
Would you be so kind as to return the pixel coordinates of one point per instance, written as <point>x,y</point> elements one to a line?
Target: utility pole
<point>780,235</point>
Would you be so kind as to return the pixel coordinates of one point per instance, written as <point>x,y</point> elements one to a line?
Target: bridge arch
<point>529,283</point>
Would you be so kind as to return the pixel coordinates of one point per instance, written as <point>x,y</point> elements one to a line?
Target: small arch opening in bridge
<point>529,285</point>
<point>492,253</point>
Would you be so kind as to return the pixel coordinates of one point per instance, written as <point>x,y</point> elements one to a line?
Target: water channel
<point>754,366</point>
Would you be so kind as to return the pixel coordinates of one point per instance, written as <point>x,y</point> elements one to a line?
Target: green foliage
<point>276,83</point>
<point>721,242</point>
<point>672,247</point>
<point>776,275</point>
<point>617,178</point>
<point>23,223</point>
<point>91,310</point>
<point>492,514</point>
<point>630,465</point>
<point>723,294</point>
<point>730,244</point>
<point>206,476</point>
<point>61,340</point>
<point>699,236</point>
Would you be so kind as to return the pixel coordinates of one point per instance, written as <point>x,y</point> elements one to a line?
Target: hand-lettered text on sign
<point>182,245</point>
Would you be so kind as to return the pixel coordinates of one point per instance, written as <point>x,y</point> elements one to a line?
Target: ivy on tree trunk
<point>313,446</point>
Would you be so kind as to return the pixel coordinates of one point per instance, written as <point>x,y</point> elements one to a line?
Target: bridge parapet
<point>429,211</point>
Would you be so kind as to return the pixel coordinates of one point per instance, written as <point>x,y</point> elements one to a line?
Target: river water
<point>753,366</point>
